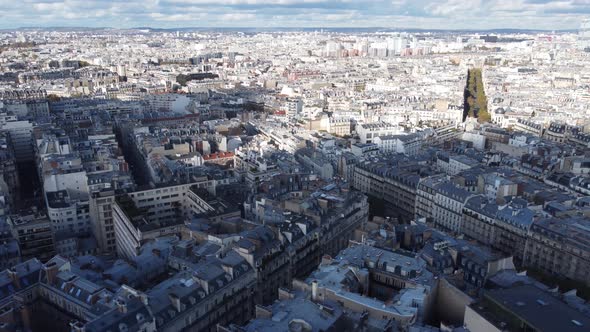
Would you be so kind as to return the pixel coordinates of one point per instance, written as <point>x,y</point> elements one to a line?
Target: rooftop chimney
<point>314,290</point>
<point>175,301</point>
<point>121,306</point>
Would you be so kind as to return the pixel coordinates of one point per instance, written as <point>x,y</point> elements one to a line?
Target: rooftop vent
<point>541,302</point>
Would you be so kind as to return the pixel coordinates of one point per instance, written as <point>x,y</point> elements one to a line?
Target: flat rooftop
<point>537,308</point>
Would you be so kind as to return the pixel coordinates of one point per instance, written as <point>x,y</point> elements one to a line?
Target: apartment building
<point>408,144</point>
<point>448,206</point>
<point>339,126</point>
<point>316,162</point>
<point>20,134</point>
<point>363,279</point>
<point>369,131</point>
<point>559,246</point>
<point>393,183</point>
<point>101,216</point>
<point>34,233</point>
<point>53,296</point>
<point>425,194</point>
<point>523,307</point>
<point>455,164</point>
<point>504,228</point>
<point>142,215</point>
<point>479,219</point>
<point>528,126</point>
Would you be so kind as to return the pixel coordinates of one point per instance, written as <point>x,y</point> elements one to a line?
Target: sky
<point>425,14</point>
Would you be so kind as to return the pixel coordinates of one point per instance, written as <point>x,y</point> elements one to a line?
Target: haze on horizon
<point>424,14</point>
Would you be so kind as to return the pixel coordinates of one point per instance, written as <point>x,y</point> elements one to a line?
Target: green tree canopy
<point>476,102</point>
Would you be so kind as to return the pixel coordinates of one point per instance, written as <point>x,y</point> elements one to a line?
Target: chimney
<point>314,290</point>
<point>14,277</point>
<point>262,312</point>
<point>285,294</point>
<point>326,260</point>
<point>175,301</point>
<point>121,306</point>
<point>189,249</point>
<point>76,326</point>
<point>144,299</point>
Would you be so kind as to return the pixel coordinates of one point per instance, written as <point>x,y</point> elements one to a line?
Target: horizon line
<point>288,28</point>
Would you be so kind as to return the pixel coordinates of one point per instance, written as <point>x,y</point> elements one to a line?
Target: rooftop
<point>537,308</point>
<point>287,314</point>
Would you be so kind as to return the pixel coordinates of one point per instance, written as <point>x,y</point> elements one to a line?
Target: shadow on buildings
<point>29,191</point>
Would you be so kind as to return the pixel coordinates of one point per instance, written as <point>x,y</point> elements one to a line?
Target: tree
<point>182,79</point>
<point>476,102</point>
<point>483,116</point>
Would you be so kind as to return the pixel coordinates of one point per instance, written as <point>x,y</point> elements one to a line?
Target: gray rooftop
<point>539,309</point>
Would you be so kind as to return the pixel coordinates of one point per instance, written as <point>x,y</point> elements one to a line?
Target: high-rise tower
<point>584,35</point>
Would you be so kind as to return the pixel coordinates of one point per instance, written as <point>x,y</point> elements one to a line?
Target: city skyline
<point>422,14</point>
<point>294,165</point>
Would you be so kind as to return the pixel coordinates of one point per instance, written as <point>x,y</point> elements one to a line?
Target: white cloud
<point>454,7</point>
<point>440,14</point>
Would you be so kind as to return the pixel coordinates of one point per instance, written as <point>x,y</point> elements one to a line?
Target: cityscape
<point>219,178</point>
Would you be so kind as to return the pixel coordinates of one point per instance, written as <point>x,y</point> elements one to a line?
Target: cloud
<point>455,8</point>
<point>450,14</point>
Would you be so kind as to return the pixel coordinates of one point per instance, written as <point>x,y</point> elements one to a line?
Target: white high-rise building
<point>584,35</point>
